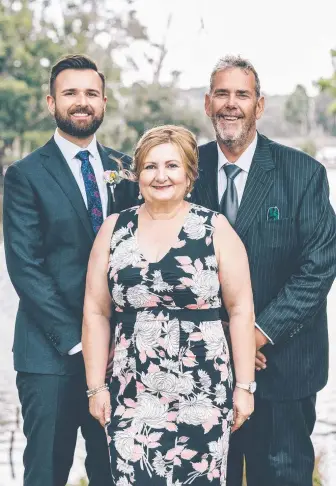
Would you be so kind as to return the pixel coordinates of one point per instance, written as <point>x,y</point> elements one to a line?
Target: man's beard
<point>238,139</point>
<point>69,126</point>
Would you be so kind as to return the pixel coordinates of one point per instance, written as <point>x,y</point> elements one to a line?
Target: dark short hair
<point>228,62</point>
<point>73,61</point>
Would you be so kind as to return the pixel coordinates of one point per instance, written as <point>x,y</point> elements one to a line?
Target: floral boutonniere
<point>114,177</point>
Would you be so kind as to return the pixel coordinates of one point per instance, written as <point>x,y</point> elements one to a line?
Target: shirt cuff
<point>76,349</point>
<point>256,325</point>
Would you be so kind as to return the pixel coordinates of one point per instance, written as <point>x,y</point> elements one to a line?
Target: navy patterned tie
<point>229,202</point>
<point>92,192</point>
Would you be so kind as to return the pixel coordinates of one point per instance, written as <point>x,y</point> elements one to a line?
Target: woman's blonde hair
<point>183,139</point>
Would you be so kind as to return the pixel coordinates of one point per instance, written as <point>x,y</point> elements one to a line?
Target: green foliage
<point>309,147</point>
<point>329,85</point>
<point>297,108</point>
<point>31,42</point>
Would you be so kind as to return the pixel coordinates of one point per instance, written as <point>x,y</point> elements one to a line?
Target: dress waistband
<point>161,314</point>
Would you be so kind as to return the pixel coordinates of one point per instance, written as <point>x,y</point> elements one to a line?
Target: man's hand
<point>260,361</point>
<point>261,339</point>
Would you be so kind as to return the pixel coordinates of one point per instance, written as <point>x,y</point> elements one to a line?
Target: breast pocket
<point>277,234</point>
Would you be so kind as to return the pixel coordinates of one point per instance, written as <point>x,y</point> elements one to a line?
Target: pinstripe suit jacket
<point>292,260</point>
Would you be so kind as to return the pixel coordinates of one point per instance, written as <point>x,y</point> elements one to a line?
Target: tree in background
<point>32,38</point>
<point>328,88</point>
<point>297,109</point>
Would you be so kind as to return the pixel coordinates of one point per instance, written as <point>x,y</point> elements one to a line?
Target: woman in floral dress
<point>169,408</point>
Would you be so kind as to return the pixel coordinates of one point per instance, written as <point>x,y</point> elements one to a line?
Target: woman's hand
<point>243,406</point>
<point>100,407</point>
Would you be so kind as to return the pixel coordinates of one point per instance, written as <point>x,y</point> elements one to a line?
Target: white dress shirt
<point>244,162</point>
<point>69,151</point>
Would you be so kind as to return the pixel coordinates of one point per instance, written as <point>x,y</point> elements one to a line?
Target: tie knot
<point>83,156</point>
<point>231,170</point>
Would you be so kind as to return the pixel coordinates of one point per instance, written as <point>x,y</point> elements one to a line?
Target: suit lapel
<point>258,184</point>
<point>109,164</point>
<point>58,168</point>
<point>206,188</point>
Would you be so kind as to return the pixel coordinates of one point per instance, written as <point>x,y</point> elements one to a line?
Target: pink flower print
<point>91,177</point>
<point>96,212</point>
<point>200,466</point>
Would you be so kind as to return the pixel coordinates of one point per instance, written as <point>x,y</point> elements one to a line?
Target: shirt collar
<point>244,161</point>
<point>70,150</point>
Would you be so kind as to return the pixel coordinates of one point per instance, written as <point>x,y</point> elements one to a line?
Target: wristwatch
<point>250,387</point>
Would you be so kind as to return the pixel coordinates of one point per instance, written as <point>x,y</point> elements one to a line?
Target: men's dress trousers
<point>92,192</point>
<point>229,203</point>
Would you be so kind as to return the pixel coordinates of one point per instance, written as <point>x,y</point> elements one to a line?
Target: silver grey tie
<point>229,202</point>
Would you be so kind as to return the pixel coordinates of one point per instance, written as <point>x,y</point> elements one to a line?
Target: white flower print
<point>158,284</point>
<point>159,464</point>
<point>124,443</point>
<point>118,236</point>
<point>220,394</point>
<point>150,411</point>
<point>125,254</point>
<point>124,467</point>
<point>194,226</point>
<point>205,284</point>
<point>172,337</point>
<point>205,379</point>
<point>218,449</point>
<point>147,331</point>
<point>186,383</point>
<point>117,295</point>
<point>213,335</point>
<point>138,296</point>
<point>132,364</point>
<point>119,360</point>
<point>187,326</point>
<point>123,481</point>
<point>170,365</point>
<point>195,410</point>
<point>211,261</point>
<point>161,382</point>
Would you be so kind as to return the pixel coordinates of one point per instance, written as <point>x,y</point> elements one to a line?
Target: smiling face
<point>78,103</point>
<point>233,107</point>
<point>163,176</point>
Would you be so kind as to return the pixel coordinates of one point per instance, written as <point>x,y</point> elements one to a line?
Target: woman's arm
<point>96,321</point>
<point>235,281</point>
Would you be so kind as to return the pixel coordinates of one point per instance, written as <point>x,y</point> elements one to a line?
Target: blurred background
<point>157,57</point>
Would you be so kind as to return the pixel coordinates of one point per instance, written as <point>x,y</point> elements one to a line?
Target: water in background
<point>12,440</point>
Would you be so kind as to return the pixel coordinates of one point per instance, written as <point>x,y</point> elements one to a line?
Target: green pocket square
<point>273,214</point>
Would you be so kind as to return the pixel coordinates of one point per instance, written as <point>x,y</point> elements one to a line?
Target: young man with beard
<point>55,201</point>
<point>277,200</point>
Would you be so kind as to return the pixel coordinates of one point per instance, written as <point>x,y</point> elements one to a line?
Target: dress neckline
<point>143,257</point>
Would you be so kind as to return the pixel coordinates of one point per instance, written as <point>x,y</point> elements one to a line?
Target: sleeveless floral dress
<point>171,385</point>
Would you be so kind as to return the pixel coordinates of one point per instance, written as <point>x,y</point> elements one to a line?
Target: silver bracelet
<point>94,391</point>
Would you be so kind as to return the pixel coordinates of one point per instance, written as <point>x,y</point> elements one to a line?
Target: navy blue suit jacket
<point>48,238</point>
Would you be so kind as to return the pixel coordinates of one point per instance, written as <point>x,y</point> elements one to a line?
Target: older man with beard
<point>54,204</point>
<point>277,200</point>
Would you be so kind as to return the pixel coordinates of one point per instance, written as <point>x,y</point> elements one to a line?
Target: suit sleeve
<point>306,290</point>
<point>23,239</point>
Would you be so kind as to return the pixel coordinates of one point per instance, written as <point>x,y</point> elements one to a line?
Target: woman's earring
<point>188,195</point>
<point>140,196</point>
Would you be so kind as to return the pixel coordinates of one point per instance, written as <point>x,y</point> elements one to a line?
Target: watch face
<point>253,386</point>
